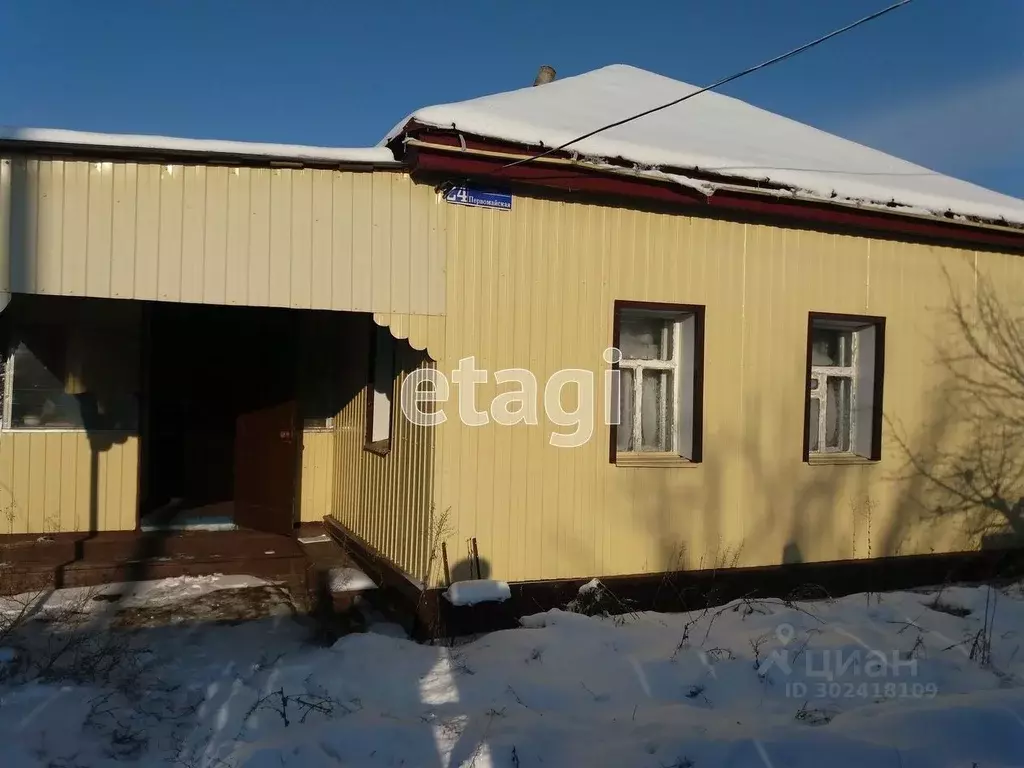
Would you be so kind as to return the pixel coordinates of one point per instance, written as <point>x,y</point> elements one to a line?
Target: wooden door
<point>267,444</point>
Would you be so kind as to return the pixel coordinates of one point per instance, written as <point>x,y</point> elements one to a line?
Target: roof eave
<point>103,152</point>
<point>448,151</point>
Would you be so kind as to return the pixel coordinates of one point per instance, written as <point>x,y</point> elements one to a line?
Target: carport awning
<point>303,238</point>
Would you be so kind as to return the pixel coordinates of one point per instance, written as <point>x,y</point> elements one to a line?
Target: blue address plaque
<point>479,198</point>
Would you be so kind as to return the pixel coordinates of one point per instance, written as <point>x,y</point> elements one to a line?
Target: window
<point>659,398</point>
<point>57,377</point>
<point>378,395</point>
<point>320,384</point>
<point>845,358</point>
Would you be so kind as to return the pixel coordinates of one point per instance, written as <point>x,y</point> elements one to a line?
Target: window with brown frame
<point>845,369</point>
<point>379,391</point>
<point>658,398</point>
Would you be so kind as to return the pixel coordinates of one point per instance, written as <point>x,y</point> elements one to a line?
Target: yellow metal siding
<point>46,482</point>
<point>298,238</point>
<point>386,500</point>
<point>534,288</point>
<point>316,481</point>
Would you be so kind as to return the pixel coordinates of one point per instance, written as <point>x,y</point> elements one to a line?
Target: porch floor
<point>29,562</point>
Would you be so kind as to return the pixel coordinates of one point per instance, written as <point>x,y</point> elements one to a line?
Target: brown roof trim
<point>452,138</point>
<point>731,203</point>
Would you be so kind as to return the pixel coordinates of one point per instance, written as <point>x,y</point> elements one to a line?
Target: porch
<point>30,562</point>
<point>156,417</point>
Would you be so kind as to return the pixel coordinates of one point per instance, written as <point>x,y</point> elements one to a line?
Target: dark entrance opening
<point>220,437</point>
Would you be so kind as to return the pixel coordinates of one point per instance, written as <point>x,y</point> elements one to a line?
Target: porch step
<point>134,546</point>
<point>335,586</point>
<point>36,548</point>
<point>105,558</point>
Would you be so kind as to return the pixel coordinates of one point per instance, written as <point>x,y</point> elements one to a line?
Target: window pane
<point>655,409</point>
<point>624,430</point>
<point>837,413</point>
<point>812,425</point>
<point>38,397</point>
<point>830,346</point>
<point>644,337</point>
<point>73,379</point>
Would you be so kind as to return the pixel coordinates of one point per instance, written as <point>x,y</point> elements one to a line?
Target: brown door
<point>266,465</point>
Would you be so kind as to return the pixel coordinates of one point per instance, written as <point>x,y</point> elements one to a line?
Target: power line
<point>729,79</point>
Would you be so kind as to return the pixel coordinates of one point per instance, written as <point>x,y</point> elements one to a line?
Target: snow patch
<point>323,538</point>
<point>349,580</point>
<point>131,594</point>
<point>478,591</point>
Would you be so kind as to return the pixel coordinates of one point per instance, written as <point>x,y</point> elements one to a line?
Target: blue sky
<point>940,82</point>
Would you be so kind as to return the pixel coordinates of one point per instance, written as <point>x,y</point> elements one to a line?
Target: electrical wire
<point>718,84</point>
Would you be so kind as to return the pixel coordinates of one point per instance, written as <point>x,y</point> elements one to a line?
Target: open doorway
<point>220,423</point>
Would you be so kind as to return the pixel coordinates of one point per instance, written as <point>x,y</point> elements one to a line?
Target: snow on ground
<point>347,579</point>
<point>899,679</point>
<point>134,594</point>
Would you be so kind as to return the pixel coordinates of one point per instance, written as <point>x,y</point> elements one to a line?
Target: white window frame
<point>8,387</point>
<point>682,323</point>
<point>862,373</point>
<point>674,325</point>
<point>381,384</point>
<point>821,374</point>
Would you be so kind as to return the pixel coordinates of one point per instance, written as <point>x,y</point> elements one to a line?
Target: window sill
<point>653,460</point>
<point>838,458</point>
<point>380,447</point>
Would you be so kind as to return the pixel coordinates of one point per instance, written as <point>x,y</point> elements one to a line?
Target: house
<point>712,337</point>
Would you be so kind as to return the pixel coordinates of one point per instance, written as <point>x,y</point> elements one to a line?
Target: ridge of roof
<point>712,134</point>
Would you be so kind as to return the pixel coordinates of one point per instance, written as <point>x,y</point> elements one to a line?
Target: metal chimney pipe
<point>545,75</point>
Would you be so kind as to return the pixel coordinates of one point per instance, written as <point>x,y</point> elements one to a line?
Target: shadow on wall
<point>795,514</point>
<point>968,463</point>
<point>97,391</point>
<point>75,368</point>
<point>960,486</point>
<point>467,569</point>
<point>791,554</point>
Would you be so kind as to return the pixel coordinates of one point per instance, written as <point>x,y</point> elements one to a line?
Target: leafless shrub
<point>755,646</point>
<point>807,593</point>
<point>814,716</point>
<point>297,707</point>
<point>70,642</point>
<point>596,599</point>
<point>981,643</point>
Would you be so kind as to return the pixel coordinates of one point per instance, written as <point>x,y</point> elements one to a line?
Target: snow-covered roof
<point>715,134</point>
<point>169,144</point>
